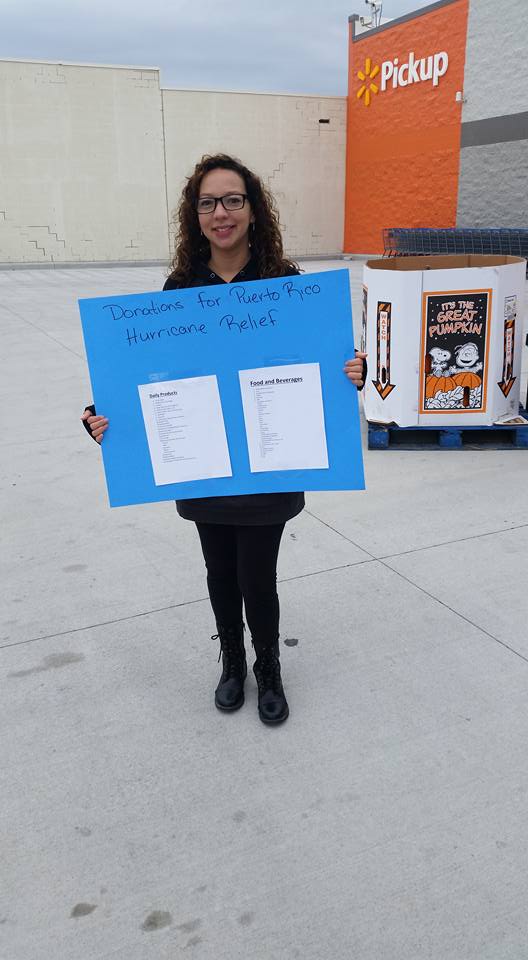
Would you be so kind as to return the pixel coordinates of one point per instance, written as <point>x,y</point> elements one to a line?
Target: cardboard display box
<point>444,339</point>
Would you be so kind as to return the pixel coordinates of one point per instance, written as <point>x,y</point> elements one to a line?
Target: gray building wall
<point>494,143</point>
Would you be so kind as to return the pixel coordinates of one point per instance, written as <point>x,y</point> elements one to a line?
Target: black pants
<point>241,566</point>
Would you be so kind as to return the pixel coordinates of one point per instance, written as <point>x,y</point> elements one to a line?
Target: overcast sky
<point>293,46</point>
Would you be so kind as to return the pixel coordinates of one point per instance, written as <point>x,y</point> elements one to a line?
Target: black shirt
<point>246,509</point>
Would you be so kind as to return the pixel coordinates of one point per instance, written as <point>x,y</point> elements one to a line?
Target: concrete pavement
<point>385,820</point>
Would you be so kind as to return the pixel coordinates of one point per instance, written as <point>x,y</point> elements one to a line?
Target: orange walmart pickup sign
<point>403,151</point>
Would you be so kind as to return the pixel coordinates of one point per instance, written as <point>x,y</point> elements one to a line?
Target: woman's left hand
<point>354,369</point>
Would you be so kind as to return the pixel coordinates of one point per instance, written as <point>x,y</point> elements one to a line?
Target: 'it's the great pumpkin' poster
<point>455,351</point>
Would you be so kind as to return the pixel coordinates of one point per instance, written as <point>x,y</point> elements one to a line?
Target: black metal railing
<point>420,241</point>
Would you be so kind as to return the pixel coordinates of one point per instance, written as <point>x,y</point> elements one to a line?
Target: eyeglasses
<point>230,201</point>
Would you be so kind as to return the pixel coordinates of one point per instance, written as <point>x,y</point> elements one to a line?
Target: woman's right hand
<point>96,424</point>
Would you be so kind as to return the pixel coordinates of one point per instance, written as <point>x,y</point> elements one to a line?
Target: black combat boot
<point>229,694</point>
<point>272,704</point>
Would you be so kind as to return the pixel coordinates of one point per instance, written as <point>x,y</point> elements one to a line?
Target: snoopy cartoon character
<point>439,361</point>
<point>466,358</point>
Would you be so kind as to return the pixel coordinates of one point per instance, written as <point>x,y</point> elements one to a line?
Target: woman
<point>228,231</point>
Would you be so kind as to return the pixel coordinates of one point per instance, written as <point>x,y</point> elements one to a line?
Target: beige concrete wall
<point>81,164</point>
<point>84,152</point>
<point>280,137</point>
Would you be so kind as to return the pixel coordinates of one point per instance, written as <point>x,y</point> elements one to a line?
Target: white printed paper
<point>283,412</point>
<point>185,430</point>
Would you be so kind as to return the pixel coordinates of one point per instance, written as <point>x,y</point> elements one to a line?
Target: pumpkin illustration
<point>434,385</point>
<point>467,379</point>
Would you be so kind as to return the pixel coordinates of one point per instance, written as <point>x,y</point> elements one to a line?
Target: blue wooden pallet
<point>385,436</point>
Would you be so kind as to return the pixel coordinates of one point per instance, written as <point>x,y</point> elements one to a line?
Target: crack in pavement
<point>43,332</point>
<point>381,560</point>
<point>346,566</point>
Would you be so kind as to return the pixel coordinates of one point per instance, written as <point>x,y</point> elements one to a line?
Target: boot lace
<point>232,650</point>
<point>268,672</point>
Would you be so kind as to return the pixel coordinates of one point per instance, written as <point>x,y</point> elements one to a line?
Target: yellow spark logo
<point>367,76</point>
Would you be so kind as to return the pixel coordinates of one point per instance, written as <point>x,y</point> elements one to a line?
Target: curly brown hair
<point>266,239</point>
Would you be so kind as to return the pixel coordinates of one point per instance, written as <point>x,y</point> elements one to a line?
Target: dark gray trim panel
<point>392,23</point>
<point>476,133</point>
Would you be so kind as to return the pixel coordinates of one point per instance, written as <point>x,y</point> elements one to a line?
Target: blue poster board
<point>221,330</point>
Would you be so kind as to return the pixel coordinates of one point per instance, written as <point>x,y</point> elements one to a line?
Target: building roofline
<point>354,17</point>
<point>121,66</point>
<point>257,93</point>
<point>75,63</point>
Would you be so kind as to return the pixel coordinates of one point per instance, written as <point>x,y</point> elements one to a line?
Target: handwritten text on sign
<point>229,321</point>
